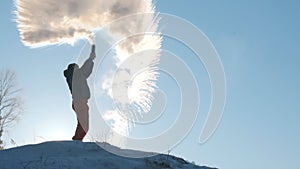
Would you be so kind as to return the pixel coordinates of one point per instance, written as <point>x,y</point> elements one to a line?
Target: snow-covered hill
<point>83,155</point>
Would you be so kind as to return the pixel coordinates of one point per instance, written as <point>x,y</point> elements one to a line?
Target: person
<point>76,78</point>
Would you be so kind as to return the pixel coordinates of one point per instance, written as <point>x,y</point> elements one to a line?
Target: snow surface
<point>83,155</point>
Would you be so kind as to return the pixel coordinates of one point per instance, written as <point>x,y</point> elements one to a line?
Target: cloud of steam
<point>132,84</point>
<point>46,22</point>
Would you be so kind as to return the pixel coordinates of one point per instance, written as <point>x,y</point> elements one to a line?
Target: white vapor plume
<point>46,22</point>
<point>132,85</point>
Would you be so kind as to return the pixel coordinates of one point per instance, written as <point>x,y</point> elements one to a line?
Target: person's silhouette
<point>77,81</point>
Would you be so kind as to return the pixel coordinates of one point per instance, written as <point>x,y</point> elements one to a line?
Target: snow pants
<point>81,109</point>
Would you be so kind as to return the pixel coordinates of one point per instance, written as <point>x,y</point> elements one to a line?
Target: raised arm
<point>88,65</point>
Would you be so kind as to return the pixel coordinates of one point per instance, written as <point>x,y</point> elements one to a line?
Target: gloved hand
<point>93,52</point>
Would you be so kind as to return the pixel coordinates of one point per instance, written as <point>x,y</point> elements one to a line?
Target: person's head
<point>68,73</point>
<point>73,66</point>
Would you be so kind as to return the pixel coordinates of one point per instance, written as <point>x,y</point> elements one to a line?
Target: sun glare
<point>56,135</point>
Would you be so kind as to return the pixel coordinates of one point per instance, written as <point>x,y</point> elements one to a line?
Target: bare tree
<point>10,102</point>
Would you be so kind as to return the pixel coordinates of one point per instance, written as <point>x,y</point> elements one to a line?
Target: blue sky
<point>257,42</point>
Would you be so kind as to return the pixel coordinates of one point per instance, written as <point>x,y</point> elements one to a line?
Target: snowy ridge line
<point>75,154</point>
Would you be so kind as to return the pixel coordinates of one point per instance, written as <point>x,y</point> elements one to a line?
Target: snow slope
<point>83,155</point>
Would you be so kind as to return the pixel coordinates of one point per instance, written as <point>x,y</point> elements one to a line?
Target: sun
<point>57,135</point>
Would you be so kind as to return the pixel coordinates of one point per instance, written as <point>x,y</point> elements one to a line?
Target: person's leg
<point>82,112</point>
<point>79,133</point>
<point>79,129</point>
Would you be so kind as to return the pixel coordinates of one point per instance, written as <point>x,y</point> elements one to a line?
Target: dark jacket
<point>77,79</point>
